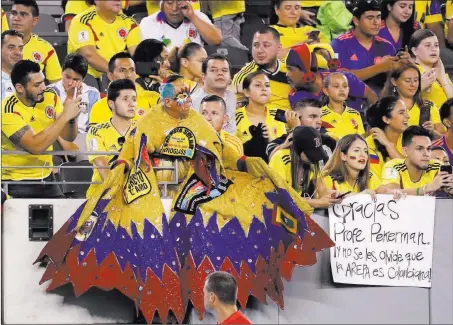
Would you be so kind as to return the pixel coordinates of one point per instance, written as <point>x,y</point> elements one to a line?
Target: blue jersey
<point>356,91</point>
<point>353,56</point>
<point>385,34</point>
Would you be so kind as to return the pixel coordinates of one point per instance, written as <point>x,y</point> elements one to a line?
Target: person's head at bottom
<point>220,295</point>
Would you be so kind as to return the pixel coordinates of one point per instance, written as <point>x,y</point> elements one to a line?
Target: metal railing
<point>5,184</point>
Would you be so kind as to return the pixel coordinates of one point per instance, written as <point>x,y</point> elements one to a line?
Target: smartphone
<point>280,116</point>
<point>446,168</point>
<point>147,68</point>
<point>342,195</point>
<point>425,115</point>
<point>314,34</point>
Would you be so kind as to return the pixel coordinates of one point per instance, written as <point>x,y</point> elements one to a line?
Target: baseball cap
<point>308,140</point>
<point>365,5</point>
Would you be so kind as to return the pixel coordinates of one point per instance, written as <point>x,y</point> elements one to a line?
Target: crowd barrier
<point>311,297</point>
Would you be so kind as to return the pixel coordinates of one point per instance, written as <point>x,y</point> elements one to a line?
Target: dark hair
<point>213,99</point>
<point>445,109</point>
<point>375,114</point>
<point>183,52</point>
<point>11,32</point>
<point>249,78</point>
<point>400,68</point>
<point>414,131</point>
<point>77,63</point>
<point>407,28</point>
<point>90,2</point>
<point>224,286</point>
<point>265,29</point>
<point>29,4</point>
<point>116,86</point>
<point>417,37</point>
<point>363,6</point>
<point>214,56</point>
<point>438,148</point>
<point>306,102</point>
<point>149,50</point>
<point>117,56</point>
<point>273,18</point>
<point>21,70</point>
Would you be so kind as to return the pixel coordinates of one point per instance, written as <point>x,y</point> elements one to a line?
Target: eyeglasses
<point>121,141</point>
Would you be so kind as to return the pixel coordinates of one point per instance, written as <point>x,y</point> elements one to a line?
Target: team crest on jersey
<point>122,33</point>
<point>50,113</point>
<point>37,57</point>
<point>377,60</point>
<point>274,131</point>
<point>140,112</point>
<point>193,33</point>
<point>354,123</point>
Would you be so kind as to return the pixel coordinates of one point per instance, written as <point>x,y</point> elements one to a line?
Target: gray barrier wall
<point>311,296</point>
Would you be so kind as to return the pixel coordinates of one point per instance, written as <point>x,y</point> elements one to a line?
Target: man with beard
<point>32,119</point>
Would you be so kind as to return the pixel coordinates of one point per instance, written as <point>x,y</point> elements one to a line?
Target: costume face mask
<point>182,98</point>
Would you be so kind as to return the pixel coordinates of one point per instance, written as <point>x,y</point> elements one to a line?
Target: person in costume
<point>230,213</point>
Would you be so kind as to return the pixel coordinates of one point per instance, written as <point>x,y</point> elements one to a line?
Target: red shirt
<point>237,318</point>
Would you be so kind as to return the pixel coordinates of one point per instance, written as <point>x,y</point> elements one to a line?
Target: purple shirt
<point>385,34</point>
<point>356,91</point>
<point>353,56</point>
<point>442,142</point>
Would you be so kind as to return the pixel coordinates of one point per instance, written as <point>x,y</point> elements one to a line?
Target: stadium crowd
<point>339,98</point>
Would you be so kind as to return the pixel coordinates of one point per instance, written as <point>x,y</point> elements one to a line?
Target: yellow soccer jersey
<point>153,6</point>
<point>311,3</point>
<point>280,88</point>
<point>15,116</point>
<point>290,36</point>
<point>103,137</point>
<point>281,163</point>
<point>227,7</point>
<point>414,114</point>
<point>4,22</point>
<point>339,125</point>
<point>101,113</point>
<point>427,12</point>
<point>276,128</point>
<point>40,51</point>
<point>435,93</point>
<point>232,141</point>
<point>376,160</point>
<point>332,183</point>
<point>89,29</point>
<point>75,7</point>
<point>395,172</point>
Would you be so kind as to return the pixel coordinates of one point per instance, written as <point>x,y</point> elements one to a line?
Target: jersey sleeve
<point>433,13</point>
<point>52,69</point>
<point>97,113</point>
<point>134,37</point>
<point>80,35</point>
<point>94,143</point>
<point>278,164</point>
<point>4,22</point>
<point>356,86</point>
<point>327,182</point>
<point>390,175</point>
<point>435,116</point>
<point>74,7</point>
<point>360,128</point>
<point>374,182</point>
<point>11,123</point>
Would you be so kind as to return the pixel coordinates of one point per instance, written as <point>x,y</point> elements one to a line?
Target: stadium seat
<point>258,7</point>
<point>139,16</point>
<point>46,24</point>
<point>237,57</point>
<point>62,51</point>
<point>55,38</point>
<point>249,27</point>
<point>50,7</point>
<point>104,83</point>
<point>93,82</point>
<point>75,175</point>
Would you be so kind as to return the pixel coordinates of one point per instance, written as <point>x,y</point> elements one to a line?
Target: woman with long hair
<point>255,123</point>
<point>348,170</point>
<point>404,81</point>
<point>187,60</point>
<point>398,22</point>
<point>387,119</point>
<point>424,48</point>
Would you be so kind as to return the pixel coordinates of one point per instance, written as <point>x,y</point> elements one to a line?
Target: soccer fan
<point>32,119</point>
<point>404,81</point>
<point>216,70</point>
<point>4,22</point>
<point>178,23</point>
<point>446,142</point>
<point>110,136</point>
<point>187,61</point>
<point>362,51</point>
<point>306,79</point>
<point>12,52</point>
<point>398,22</point>
<point>337,118</point>
<point>121,66</point>
<point>75,69</point>
<point>213,109</point>
<point>220,295</point>
<point>265,50</point>
<point>100,32</point>
<point>255,123</point>
<point>429,14</point>
<point>416,174</point>
<point>387,119</point>
<point>285,19</point>
<point>440,154</point>
<point>306,112</point>
<point>348,170</point>
<point>424,47</point>
<point>23,17</point>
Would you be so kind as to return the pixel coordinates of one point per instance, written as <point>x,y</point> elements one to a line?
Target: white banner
<point>386,242</point>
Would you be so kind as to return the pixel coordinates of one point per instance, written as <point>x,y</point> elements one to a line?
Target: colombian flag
<point>374,159</point>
